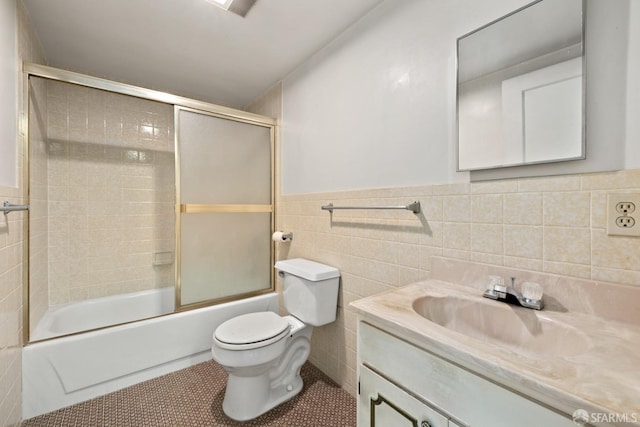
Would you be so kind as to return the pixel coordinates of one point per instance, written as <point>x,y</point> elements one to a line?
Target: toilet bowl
<point>263,352</point>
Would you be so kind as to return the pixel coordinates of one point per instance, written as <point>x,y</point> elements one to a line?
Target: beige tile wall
<point>555,225</point>
<point>11,254</point>
<point>11,257</point>
<point>111,192</point>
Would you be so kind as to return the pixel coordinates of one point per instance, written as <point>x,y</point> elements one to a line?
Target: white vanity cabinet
<point>401,384</point>
<point>382,403</point>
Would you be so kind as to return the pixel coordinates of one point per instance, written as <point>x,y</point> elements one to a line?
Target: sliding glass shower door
<point>225,215</point>
<point>120,177</point>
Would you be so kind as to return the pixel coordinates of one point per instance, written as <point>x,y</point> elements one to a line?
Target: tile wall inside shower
<point>110,192</point>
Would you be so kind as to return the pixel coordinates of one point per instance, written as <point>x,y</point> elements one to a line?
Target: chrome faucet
<point>530,297</point>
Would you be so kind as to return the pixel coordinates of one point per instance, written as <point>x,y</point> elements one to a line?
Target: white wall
<point>8,92</point>
<point>633,89</point>
<point>376,108</point>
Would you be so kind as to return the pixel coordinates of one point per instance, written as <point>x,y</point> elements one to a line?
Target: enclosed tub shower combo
<point>150,223</point>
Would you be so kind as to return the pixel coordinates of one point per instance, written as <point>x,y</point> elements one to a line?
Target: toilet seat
<point>253,330</point>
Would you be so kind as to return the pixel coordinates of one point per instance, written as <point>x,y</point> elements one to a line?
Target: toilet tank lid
<point>310,270</point>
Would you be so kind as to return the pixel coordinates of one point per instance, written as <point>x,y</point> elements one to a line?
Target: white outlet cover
<point>613,229</point>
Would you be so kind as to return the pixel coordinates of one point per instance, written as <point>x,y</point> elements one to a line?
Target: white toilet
<point>263,352</point>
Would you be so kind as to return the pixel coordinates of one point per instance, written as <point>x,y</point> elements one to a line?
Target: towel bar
<point>413,207</point>
<point>9,207</point>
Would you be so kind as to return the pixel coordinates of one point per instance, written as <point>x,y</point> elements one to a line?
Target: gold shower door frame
<point>56,74</point>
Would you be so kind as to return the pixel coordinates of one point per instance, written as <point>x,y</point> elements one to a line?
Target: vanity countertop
<point>603,379</point>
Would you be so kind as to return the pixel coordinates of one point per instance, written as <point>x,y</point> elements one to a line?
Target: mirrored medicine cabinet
<point>520,88</point>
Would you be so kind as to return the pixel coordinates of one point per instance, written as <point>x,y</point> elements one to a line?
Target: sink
<point>502,324</point>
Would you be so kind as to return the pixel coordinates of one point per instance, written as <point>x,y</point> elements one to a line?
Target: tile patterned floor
<point>193,397</point>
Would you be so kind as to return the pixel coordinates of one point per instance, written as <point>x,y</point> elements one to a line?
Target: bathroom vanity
<point>435,353</point>
<point>402,384</point>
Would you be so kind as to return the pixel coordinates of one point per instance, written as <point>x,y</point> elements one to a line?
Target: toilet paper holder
<point>279,236</point>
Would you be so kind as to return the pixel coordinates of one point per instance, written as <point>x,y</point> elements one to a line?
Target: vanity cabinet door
<point>456,392</point>
<point>383,404</point>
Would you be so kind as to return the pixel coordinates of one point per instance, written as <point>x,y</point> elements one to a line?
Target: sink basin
<point>498,323</point>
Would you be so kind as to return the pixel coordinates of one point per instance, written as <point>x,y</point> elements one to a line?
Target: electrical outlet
<point>623,214</point>
<point>625,221</point>
<point>625,207</point>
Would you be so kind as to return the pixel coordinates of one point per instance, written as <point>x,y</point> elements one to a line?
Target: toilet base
<point>256,390</point>
<point>249,396</point>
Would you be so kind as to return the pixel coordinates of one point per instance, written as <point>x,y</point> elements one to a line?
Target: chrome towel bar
<point>8,207</point>
<point>413,207</point>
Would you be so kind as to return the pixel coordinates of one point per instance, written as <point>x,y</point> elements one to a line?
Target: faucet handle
<point>532,291</point>
<point>495,281</point>
<point>496,288</point>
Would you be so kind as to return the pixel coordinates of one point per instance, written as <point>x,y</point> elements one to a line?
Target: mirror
<point>520,88</point>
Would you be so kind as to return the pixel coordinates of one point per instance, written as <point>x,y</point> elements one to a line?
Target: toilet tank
<point>310,290</point>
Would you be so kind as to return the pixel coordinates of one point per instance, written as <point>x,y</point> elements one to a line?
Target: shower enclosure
<point>141,203</point>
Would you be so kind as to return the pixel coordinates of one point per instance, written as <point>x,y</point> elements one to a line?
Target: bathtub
<point>70,369</point>
<point>100,312</point>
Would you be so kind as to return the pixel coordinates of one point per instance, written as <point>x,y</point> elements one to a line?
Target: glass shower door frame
<point>190,208</point>
<point>56,74</point>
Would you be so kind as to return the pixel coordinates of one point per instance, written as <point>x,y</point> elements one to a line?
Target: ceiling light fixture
<point>239,7</point>
<point>224,4</point>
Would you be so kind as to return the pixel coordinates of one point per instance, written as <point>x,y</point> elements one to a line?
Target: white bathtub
<point>67,370</point>
<point>100,312</point>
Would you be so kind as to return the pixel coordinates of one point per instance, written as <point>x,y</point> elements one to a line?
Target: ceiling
<point>190,47</point>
